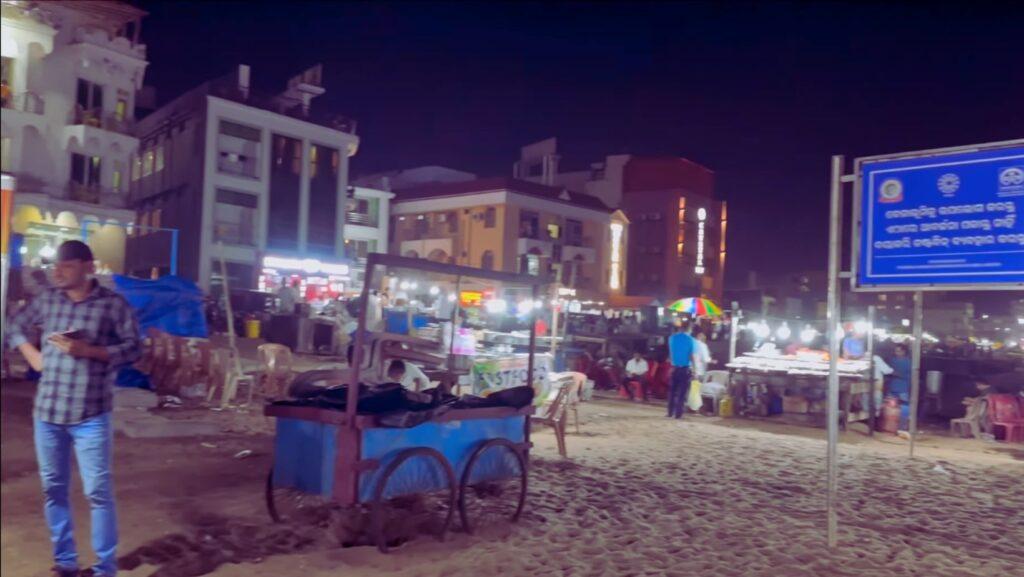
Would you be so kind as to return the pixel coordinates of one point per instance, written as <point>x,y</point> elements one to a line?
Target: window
<point>120,109</point>
<point>554,231</point>
<point>238,149</point>
<point>573,232</point>
<point>283,216</point>
<point>136,167</point>
<point>89,100</point>
<point>115,178</point>
<point>147,163</point>
<point>323,201</point>
<point>422,225</point>
<point>85,170</point>
<point>234,218</point>
<point>154,219</point>
<point>529,225</point>
<point>358,249</point>
<point>5,153</point>
<point>487,260</point>
<point>490,217</point>
<point>159,157</point>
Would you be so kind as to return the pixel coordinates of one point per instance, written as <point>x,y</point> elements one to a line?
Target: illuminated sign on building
<point>308,265</point>
<point>702,216</point>
<point>616,256</point>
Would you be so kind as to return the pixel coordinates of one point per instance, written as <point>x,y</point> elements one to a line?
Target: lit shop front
<point>318,281</point>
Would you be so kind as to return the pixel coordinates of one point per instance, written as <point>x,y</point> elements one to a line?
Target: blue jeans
<point>677,391</point>
<point>92,443</point>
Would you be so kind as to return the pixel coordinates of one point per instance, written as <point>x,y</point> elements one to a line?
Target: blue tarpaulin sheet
<point>171,304</point>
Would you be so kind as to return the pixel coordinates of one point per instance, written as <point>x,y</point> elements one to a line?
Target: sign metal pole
<point>872,404</point>
<point>834,256</point>
<point>915,367</point>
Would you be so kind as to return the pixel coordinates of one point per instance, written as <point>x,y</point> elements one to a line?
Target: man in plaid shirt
<point>89,332</point>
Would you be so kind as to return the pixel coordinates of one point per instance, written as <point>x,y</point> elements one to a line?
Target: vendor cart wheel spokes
<point>408,502</point>
<point>493,485</point>
<point>285,504</point>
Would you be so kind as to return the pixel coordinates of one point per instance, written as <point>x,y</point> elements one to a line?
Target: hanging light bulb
<point>435,290</point>
<point>761,330</point>
<point>861,327</point>
<point>808,334</point>
<point>783,332</point>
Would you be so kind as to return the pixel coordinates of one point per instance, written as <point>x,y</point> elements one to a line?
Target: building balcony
<point>279,105</point>
<point>28,102</point>
<point>92,194</point>
<point>95,133</point>
<point>535,246</point>
<point>95,118</point>
<point>100,38</point>
<point>24,109</point>
<point>579,253</point>
<point>360,219</point>
<point>436,249</point>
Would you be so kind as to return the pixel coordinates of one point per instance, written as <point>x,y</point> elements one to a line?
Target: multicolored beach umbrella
<point>697,307</point>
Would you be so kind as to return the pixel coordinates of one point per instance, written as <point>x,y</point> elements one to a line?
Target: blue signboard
<point>942,221</point>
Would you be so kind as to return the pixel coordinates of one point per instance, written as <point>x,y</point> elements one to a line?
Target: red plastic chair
<point>658,386</point>
<point>1005,413</point>
<point>636,387</point>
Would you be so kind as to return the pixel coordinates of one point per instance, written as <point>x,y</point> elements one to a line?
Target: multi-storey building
<point>70,74</point>
<point>515,226</point>
<point>257,181</point>
<point>677,243</point>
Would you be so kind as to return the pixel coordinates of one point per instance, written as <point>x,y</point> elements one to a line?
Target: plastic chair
<point>277,369</point>
<point>969,424</point>
<point>1005,413</point>
<point>554,417</point>
<point>658,386</point>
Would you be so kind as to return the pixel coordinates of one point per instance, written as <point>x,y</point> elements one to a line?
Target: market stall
<point>380,446</point>
<point>768,383</point>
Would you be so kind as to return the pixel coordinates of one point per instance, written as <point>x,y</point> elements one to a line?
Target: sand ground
<point>640,495</point>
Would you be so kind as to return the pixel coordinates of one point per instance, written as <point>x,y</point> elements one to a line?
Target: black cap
<point>74,250</point>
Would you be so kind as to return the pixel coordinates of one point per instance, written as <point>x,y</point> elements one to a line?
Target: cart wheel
<point>493,486</point>
<point>416,510</point>
<point>285,504</point>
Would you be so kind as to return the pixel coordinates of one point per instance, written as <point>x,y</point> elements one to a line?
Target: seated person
<point>408,374</point>
<point>636,370</point>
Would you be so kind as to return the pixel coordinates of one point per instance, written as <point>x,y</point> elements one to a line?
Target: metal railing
<point>359,218</point>
<point>25,102</point>
<point>97,119</point>
<point>95,194</point>
<point>275,103</point>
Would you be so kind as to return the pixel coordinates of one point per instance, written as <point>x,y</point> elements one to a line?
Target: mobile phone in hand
<point>75,334</point>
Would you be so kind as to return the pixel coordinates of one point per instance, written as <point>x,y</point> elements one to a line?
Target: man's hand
<point>73,347</point>
<point>32,356</point>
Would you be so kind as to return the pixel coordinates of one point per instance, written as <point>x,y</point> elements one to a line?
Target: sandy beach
<point>640,495</point>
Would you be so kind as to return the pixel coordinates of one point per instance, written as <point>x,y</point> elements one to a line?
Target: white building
<point>367,215</point>
<point>259,181</point>
<point>70,74</point>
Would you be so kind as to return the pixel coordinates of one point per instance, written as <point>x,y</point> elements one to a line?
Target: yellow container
<point>252,328</point>
<point>725,407</point>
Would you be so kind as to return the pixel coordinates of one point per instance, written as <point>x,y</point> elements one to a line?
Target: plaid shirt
<point>73,389</point>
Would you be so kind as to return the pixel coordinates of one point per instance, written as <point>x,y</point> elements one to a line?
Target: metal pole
<point>174,252</point>
<point>872,408</point>
<point>834,255</point>
<point>915,367</point>
<point>352,398</point>
<point>734,329</point>
<point>533,337</point>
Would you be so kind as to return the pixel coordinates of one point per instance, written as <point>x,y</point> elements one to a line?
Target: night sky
<point>762,93</point>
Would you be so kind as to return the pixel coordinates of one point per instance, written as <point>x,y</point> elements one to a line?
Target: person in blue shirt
<point>682,349</point>
<point>899,383</point>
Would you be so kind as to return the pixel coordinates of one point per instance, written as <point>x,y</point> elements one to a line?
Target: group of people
<point>690,358</point>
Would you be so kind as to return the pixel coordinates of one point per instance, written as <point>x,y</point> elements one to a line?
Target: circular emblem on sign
<point>891,190</point>
<point>949,183</point>
<point>1012,176</point>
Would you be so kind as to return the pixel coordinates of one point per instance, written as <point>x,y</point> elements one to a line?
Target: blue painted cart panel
<point>456,440</point>
<point>304,456</point>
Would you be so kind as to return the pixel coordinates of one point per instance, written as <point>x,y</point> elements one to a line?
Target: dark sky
<point>760,93</point>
